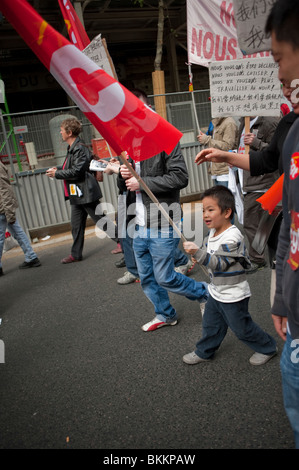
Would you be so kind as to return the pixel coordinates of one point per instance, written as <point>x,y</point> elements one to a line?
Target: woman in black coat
<point>80,187</point>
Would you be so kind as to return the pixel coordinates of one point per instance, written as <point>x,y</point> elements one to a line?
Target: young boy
<point>226,257</point>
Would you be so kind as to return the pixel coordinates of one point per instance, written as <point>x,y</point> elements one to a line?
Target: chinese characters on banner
<point>246,87</point>
<point>250,18</point>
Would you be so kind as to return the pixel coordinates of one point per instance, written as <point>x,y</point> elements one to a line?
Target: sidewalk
<point>58,240</point>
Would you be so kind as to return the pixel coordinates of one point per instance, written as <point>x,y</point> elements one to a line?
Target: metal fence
<point>180,113</point>
<point>41,200</point>
<point>43,207</point>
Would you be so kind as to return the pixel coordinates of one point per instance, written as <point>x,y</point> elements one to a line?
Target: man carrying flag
<point>155,241</point>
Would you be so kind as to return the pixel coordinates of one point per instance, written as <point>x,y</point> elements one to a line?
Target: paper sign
<point>250,17</point>
<point>246,87</point>
<point>98,53</point>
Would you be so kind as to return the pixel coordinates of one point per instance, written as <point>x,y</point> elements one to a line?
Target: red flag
<point>75,29</point>
<point>121,118</point>
<point>273,196</point>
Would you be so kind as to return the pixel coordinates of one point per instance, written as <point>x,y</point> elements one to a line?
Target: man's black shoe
<point>1,272</point>
<point>30,264</point>
<point>121,263</point>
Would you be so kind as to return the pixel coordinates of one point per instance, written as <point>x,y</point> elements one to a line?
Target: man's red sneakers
<point>156,323</point>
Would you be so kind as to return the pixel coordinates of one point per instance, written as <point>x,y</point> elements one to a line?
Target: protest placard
<point>97,51</point>
<point>250,18</point>
<point>246,87</point>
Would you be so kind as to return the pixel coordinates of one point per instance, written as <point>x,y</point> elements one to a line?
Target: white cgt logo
<point>111,99</point>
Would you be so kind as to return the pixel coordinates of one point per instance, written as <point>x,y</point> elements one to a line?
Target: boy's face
<point>212,215</point>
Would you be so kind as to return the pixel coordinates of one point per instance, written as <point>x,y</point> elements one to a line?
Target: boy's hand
<point>190,248</point>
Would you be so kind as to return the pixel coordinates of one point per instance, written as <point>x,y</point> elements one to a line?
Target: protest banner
<point>211,32</point>
<point>246,87</point>
<point>97,51</point>
<point>250,18</point>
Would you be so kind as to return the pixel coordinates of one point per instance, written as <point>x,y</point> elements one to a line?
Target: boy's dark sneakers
<point>1,272</point>
<point>30,264</point>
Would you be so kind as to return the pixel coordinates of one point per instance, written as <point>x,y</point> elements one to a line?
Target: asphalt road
<point>79,372</point>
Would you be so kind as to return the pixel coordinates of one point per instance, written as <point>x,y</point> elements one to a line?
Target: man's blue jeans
<point>180,258</point>
<point>154,252</point>
<point>289,366</point>
<point>18,233</point>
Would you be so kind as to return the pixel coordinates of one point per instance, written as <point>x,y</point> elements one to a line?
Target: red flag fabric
<point>273,196</point>
<point>121,118</point>
<point>75,29</point>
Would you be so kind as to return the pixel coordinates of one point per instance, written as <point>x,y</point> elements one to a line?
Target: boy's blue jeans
<point>18,233</point>
<point>219,316</point>
<point>155,263</point>
<point>289,366</point>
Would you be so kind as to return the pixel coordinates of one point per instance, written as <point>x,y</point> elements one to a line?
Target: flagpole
<point>192,96</point>
<point>247,130</point>
<point>124,160</point>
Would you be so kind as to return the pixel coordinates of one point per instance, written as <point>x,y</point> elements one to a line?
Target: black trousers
<point>79,213</point>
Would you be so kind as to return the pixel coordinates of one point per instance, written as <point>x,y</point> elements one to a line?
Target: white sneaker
<point>184,268</point>
<point>156,323</point>
<point>258,359</point>
<point>193,358</point>
<point>127,278</point>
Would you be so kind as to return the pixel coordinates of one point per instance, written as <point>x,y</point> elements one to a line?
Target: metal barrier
<point>43,208</point>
